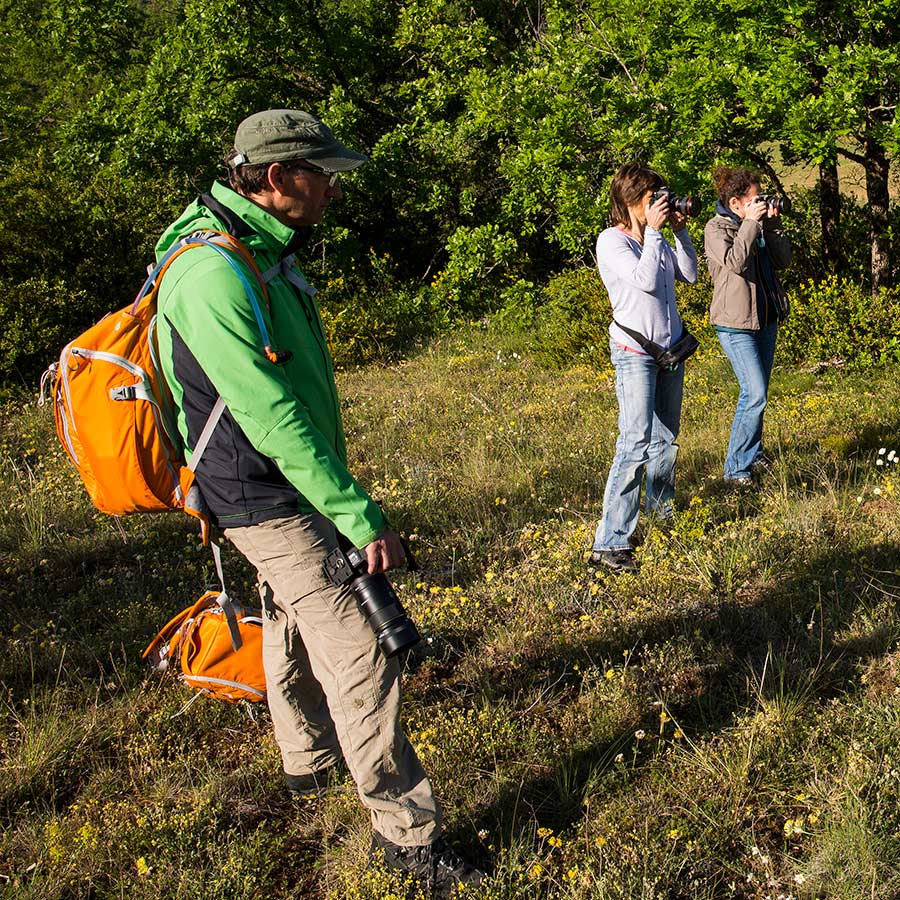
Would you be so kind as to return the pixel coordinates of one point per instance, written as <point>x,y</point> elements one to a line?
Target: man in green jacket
<point>274,476</point>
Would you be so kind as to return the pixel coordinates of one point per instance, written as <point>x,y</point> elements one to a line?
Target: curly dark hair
<point>629,184</point>
<point>733,182</point>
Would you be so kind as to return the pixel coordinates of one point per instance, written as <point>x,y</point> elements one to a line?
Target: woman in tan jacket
<point>744,246</point>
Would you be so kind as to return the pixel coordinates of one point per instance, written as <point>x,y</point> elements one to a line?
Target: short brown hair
<point>629,184</point>
<point>248,179</point>
<point>733,182</point>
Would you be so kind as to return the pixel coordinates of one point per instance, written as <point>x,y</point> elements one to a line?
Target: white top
<point>640,280</point>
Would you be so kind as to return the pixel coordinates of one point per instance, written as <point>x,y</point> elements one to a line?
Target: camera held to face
<point>377,600</point>
<point>687,206</point>
<point>774,203</point>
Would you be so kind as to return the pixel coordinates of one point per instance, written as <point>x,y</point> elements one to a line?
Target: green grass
<point>724,724</point>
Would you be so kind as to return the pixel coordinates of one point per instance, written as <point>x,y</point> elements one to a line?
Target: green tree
<point>832,70</point>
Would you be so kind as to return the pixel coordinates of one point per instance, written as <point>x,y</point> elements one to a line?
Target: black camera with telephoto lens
<point>776,203</point>
<point>687,206</point>
<point>377,600</point>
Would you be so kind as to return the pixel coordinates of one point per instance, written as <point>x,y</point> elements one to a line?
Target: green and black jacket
<point>279,447</point>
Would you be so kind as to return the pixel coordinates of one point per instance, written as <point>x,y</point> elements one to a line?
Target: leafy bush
<point>832,320</point>
<point>69,253</point>
<point>837,320</point>
<point>693,305</point>
<point>37,317</point>
<point>520,303</point>
<point>370,314</point>
<point>572,325</point>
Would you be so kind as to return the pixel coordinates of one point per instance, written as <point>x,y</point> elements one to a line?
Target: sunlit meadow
<point>723,725</point>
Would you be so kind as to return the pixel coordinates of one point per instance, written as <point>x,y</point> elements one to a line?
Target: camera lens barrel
<point>687,206</point>
<point>376,599</point>
<point>779,204</point>
<point>384,612</point>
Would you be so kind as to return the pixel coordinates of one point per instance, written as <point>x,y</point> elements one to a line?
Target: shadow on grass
<point>75,606</point>
<point>774,625</point>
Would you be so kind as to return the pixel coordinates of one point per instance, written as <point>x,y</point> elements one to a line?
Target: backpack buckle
<point>125,392</point>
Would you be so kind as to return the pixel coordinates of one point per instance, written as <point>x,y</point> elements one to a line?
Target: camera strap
<point>652,348</point>
<point>665,357</point>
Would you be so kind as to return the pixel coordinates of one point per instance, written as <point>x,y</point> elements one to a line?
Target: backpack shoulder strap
<point>237,228</point>
<point>294,276</point>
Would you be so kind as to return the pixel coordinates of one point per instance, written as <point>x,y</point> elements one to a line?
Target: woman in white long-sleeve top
<point>639,268</point>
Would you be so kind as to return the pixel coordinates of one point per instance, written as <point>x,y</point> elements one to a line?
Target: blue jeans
<point>751,354</point>
<point>649,416</point>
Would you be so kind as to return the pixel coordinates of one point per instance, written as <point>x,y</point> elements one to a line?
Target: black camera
<point>687,206</point>
<point>776,203</point>
<point>376,599</point>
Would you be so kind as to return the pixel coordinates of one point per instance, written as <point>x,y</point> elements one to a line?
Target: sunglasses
<point>333,177</point>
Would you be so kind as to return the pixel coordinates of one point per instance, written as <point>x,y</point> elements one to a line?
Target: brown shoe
<point>616,560</point>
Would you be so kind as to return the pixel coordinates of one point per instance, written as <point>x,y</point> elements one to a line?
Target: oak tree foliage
<point>493,130</point>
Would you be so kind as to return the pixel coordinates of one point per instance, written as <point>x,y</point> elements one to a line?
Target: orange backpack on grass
<point>113,409</point>
<point>218,647</point>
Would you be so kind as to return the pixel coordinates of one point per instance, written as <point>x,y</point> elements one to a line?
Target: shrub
<point>831,320</point>
<point>835,320</point>
<point>370,314</point>
<point>693,305</point>
<point>68,254</point>
<point>572,324</point>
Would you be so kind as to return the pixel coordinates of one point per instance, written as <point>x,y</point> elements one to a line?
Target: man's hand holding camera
<point>385,552</point>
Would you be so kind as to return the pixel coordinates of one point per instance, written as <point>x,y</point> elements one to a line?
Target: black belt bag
<point>669,357</point>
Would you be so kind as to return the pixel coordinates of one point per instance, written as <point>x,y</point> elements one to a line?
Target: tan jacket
<point>731,253</point>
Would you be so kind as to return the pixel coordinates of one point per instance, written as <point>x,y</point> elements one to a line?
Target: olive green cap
<point>278,135</point>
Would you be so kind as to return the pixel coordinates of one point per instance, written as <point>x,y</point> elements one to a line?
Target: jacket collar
<point>723,210</point>
<point>276,237</point>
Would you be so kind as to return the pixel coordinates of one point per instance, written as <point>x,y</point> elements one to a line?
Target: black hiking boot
<point>437,867</point>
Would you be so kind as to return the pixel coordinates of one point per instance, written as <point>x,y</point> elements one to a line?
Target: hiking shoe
<point>616,560</point>
<point>762,463</point>
<point>740,481</point>
<point>314,784</point>
<point>437,867</point>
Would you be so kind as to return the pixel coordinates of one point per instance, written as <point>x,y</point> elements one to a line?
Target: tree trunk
<point>876,165</point>
<point>830,213</point>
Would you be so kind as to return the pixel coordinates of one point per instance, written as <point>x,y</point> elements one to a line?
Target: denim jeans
<point>649,416</point>
<point>751,354</point>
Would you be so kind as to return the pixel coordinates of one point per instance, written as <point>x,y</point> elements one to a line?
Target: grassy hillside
<point>724,724</point>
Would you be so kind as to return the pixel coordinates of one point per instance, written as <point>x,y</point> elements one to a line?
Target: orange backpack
<point>218,645</point>
<point>219,648</point>
<point>113,409</point>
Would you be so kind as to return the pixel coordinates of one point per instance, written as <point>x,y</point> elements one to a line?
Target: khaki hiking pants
<point>331,690</point>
